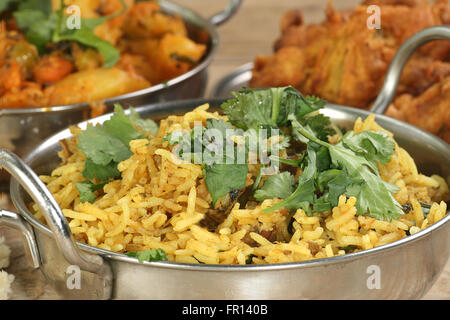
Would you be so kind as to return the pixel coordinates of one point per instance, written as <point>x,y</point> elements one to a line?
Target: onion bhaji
<point>345,62</point>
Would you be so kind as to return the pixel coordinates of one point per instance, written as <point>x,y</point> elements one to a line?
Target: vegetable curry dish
<point>48,57</point>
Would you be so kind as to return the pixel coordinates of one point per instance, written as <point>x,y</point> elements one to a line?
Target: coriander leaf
<point>39,32</point>
<point>250,108</point>
<point>325,177</point>
<point>323,160</point>
<point>290,162</point>
<point>145,124</point>
<point>339,185</point>
<point>249,259</point>
<point>5,4</point>
<point>227,175</point>
<point>100,172</point>
<point>258,178</point>
<point>303,195</point>
<point>121,127</point>
<point>322,204</point>
<point>297,127</point>
<point>87,189</point>
<point>92,23</point>
<point>102,147</point>
<point>173,138</point>
<point>376,146</point>
<point>316,102</point>
<point>255,108</point>
<point>190,145</point>
<point>35,19</point>
<point>320,125</point>
<point>201,146</point>
<point>26,18</point>
<point>86,36</point>
<point>374,196</point>
<point>42,5</point>
<point>107,145</point>
<point>220,125</point>
<point>149,255</point>
<point>221,179</point>
<point>41,26</point>
<point>276,186</point>
<point>279,145</point>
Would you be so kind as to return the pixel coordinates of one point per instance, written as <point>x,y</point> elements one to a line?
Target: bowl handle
<point>15,221</point>
<point>405,51</point>
<point>229,11</point>
<point>52,213</point>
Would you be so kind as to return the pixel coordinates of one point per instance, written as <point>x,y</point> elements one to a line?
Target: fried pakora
<point>345,62</point>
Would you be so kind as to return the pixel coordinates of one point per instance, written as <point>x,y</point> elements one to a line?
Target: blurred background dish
<point>343,61</point>
<point>118,47</point>
<point>157,62</point>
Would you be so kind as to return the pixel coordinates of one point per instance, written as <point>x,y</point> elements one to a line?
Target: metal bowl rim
<point>17,200</point>
<point>204,23</point>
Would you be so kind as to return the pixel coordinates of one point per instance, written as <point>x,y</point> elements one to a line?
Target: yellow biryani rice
<point>160,203</point>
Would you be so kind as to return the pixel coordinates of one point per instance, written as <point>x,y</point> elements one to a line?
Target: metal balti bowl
<point>406,269</point>
<point>22,129</point>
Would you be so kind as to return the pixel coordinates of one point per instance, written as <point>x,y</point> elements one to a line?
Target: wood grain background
<point>252,31</point>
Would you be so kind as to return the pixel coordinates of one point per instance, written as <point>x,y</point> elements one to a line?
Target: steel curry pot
<point>23,129</point>
<point>406,268</point>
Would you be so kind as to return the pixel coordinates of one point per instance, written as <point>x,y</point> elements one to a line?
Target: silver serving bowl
<point>22,129</point>
<point>407,268</point>
<point>404,269</point>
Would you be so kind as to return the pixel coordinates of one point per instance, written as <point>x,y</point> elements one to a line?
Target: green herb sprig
<point>353,171</point>
<point>106,146</point>
<point>148,255</point>
<point>42,26</point>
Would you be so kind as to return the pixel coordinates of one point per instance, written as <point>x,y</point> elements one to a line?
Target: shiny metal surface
<point>22,129</point>
<point>402,55</point>
<point>15,221</point>
<point>51,211</point>
<point>225,15</point>
<point>408,268</point>
<point>233,81</point>
<point>63,237</point>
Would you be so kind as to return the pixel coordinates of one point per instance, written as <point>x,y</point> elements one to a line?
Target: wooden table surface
<point>252,31</point>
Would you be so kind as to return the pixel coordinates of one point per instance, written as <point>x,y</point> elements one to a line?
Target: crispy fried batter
<point>429,111</point>
<point>284,68</point>
<point>345,62</point>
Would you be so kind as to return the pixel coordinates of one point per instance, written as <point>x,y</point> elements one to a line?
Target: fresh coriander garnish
<point>87,189</point>
<point>148,255</point>
<point>42,26</point>
<point>356,157</point>
<point>261,108</point>
<point>223,172</point>
<point>276,186</point>
<point>107,145</point>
